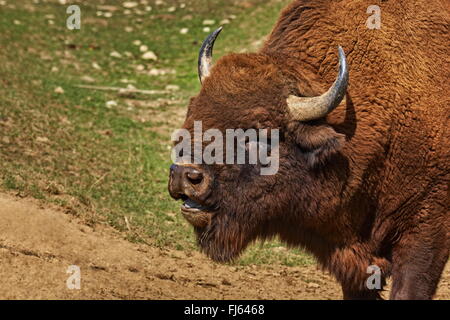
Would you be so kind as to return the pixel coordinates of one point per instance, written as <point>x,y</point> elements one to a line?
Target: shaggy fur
<point>367,185</point>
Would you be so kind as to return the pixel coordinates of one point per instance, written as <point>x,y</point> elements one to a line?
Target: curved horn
<point>312,108</point>
<point>205,55</point>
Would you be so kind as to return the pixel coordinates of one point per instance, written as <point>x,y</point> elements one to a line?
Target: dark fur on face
<point>249,91</point>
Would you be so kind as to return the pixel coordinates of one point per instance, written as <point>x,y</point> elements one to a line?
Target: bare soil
<point>37,245</point>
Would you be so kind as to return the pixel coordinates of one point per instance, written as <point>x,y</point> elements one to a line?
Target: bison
<point>364,156</point>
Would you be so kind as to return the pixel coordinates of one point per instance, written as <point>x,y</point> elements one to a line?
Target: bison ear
<point>318,143</point>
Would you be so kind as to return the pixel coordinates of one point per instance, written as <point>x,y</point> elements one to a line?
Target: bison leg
<point>418,265</point>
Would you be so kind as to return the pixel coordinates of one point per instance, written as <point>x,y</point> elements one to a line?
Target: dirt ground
<point>37,245</point>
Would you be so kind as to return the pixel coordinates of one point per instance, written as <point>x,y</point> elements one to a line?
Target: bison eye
<point>254,145</point>
<point>258,150</point>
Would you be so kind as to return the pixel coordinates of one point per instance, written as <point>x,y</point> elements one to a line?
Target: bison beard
<point>224,239</point>
<point>234,225</point>
<point>362,181</point>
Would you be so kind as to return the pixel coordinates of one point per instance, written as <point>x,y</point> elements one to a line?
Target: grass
<point>108,163</point>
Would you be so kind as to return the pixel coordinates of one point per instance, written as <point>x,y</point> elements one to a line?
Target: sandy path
<point>37,245</point>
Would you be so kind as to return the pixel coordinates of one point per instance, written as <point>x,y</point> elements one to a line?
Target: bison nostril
<point>194,177</point>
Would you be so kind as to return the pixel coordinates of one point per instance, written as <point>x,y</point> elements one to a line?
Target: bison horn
<point>205,55</point>
<point>312,108</point>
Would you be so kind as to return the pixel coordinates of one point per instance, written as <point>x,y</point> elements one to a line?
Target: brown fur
<point>368,184</point>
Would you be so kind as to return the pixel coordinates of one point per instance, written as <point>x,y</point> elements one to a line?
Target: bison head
<point>231,205</point>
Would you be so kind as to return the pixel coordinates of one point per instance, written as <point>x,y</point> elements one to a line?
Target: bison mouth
<point>195,213</point>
